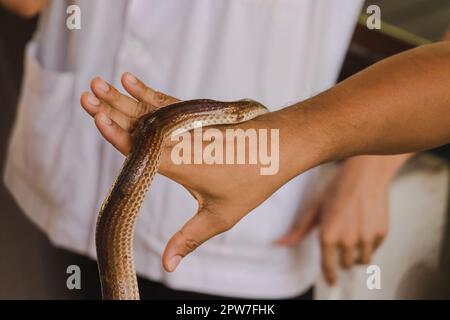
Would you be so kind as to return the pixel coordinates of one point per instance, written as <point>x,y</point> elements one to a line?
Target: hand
<point>24,8</point>
<point>115,114</point>
<point>351,214</point>
<point>222,191</point>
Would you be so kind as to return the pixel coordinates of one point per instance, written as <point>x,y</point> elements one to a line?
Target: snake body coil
<point>118,214</point>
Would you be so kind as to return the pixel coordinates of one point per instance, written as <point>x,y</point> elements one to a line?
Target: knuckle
<point>327,237</point>
<point>219,222</point>
<point>367,238</point>
<point>145,93</point>
<point>159,98</point>
<point>115,95</point>
<point>129,125</point>
<point>191,244</point>
<point>107,109</point>
<point>142,108</point>
<point>348,242</point>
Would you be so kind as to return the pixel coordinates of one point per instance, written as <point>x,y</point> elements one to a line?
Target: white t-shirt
<point>59,168</point>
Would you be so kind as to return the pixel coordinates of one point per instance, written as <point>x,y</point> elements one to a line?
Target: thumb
<point>203,226</point>
<point>301,228</point>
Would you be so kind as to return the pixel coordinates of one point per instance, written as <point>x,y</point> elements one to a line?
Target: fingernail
<point>103,86</point>
<point>93,100</point>
<point>131,79</point>
<point>104,118</point>
<point>174,262</point>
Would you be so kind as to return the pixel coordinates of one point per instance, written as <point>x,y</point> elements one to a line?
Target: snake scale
<point>120,209</point>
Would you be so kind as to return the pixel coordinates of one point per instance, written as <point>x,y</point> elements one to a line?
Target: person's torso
<point>276,52</point>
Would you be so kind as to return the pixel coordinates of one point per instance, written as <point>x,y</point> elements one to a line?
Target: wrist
<point>305,138</point>
<point>378,169</point>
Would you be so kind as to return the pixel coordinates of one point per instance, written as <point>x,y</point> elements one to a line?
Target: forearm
<point>24,8</point>
<point>401,104</point>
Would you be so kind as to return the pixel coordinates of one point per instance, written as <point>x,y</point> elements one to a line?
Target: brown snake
<point>118,214</point>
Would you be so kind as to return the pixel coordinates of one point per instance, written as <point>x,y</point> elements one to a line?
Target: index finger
<point>145,94</point>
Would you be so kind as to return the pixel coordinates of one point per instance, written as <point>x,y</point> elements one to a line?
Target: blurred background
<point>407,23</point>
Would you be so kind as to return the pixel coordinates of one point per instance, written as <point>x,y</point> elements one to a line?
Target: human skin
<point>362,181</point>
<point>391,107</point>
<point>370,224</point>
<point>351,214</point>
<point>24,8</point>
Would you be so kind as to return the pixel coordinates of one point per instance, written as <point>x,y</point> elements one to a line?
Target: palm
<point>221,190</point>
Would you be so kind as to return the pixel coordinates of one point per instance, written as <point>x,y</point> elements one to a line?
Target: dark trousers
<point>149,290</point>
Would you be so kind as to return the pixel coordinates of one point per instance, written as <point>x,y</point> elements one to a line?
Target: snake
<point>119,211</point>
